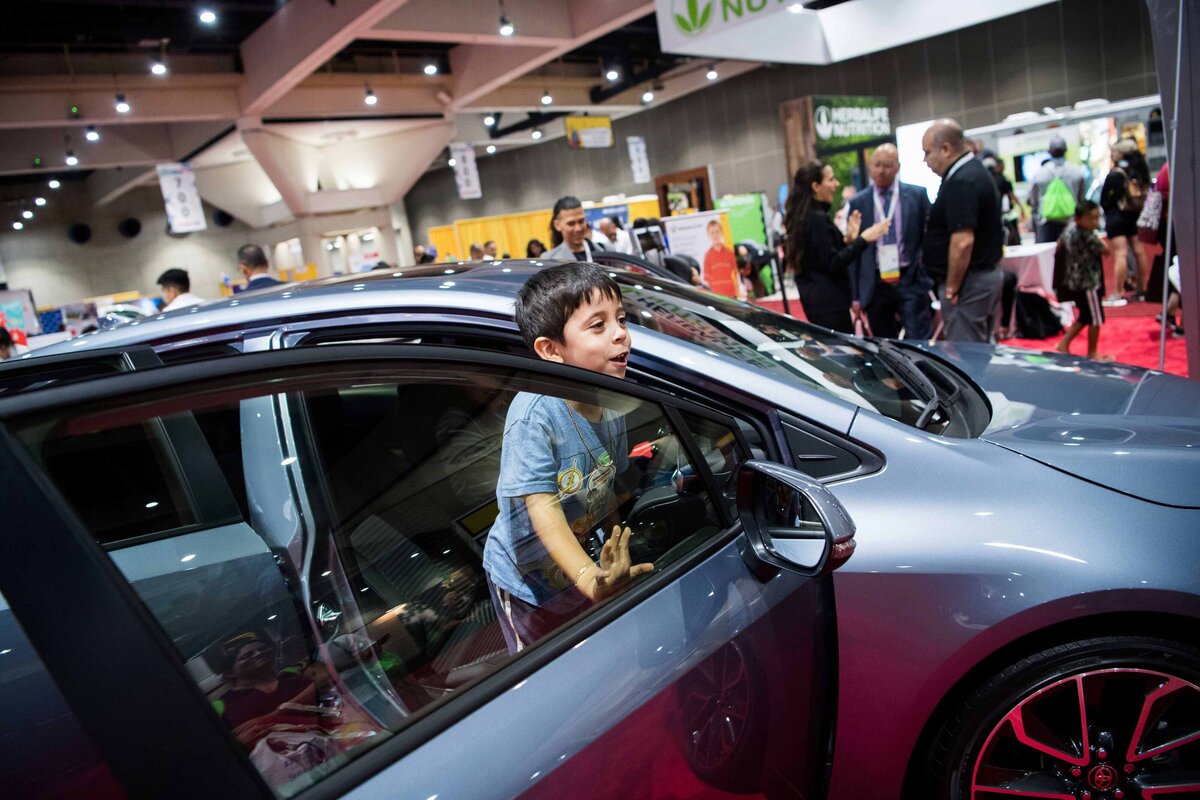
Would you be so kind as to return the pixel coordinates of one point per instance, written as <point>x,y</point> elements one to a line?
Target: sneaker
<point>1176,331</point>
<point>1114,302</point>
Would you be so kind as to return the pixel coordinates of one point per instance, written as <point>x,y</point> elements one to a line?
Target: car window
<point>387,557</point>
<point>46,753</point>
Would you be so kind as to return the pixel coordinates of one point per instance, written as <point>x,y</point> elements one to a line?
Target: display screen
<point>1026,166</point>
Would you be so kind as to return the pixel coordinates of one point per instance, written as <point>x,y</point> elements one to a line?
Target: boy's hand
<point>614,562</point>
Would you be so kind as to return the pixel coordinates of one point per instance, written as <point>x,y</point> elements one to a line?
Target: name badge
<point>888,257</point>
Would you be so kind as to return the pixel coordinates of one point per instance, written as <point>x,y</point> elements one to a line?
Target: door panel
<point>365,599</point>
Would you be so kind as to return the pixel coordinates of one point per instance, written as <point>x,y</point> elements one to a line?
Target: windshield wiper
<point>916,379</point>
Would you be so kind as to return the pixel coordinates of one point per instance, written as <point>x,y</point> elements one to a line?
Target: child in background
<point>1078,276</point>
<point>560,463</point>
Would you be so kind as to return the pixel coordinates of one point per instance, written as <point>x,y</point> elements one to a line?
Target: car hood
<point>1133,430</point>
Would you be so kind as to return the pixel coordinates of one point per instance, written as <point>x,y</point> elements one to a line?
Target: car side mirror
<point>792,521</point>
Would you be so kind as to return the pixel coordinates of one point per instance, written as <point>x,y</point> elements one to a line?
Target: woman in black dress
<point>1121,198</point>
<point>817,252</point>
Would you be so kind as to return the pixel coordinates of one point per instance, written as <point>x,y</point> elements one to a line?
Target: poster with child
<point>707,238</point>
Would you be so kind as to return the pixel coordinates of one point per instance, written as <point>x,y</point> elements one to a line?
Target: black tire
<point>1127,688</point>
<point>723,715</point>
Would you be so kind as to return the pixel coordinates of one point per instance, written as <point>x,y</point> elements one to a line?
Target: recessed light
<point>489,120</point>
<point>370,98</point>
<point>431,69</point>
<point>18,225</point>
<point>91,134</point>
<point>39,201</point>
<point>27,214</point>
<point>537,133</point>
<point>546,98</point>
<point>54,184</point>
<point>491,148</point>
<point>506,26</point>
<point>158,68</point>
<point>453,162</point>
<point>121,104</point>
<point>711,74</point>
<point>647,96</point>
<point>71,159</point>
<point>208,16</point>
<point>612,75</point>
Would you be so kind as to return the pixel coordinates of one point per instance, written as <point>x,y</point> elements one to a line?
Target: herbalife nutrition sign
<point>839,121</point>
<point>692,17</point>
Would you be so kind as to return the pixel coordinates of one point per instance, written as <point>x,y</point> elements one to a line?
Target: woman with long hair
<point>1122,198</point>
<point>817,252</point>
<point>534,248</point>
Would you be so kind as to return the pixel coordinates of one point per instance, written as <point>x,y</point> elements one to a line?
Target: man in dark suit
<point>252,262</point>
<point>887,281</point>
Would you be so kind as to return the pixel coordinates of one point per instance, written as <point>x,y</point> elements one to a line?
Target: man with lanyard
<point>887,281</point>
<point>964,239</point>
<point>569,231</point>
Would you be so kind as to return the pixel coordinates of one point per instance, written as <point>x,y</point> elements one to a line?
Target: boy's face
<point>716,236</point>
<point>595,338</point>
<point>1089,221</point>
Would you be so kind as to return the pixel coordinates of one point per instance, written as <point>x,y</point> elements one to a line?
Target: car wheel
<point>1113,718</point>
<point>723,715</point>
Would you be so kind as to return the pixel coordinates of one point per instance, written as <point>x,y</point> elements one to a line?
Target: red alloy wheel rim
<point>1111,734</point>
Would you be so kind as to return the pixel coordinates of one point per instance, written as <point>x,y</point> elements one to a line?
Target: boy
<point>1079,277</point>
<point>559,464</point>
<point>720,264</point>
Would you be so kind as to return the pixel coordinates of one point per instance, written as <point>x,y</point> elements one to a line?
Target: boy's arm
<point>595,581</point>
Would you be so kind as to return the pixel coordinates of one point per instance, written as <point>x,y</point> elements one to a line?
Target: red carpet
<point>1129,334</point>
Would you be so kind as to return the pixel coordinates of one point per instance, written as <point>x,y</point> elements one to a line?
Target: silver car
<point>293,488</point>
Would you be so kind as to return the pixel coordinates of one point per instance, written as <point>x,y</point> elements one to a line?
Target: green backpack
<point>1058,204</point>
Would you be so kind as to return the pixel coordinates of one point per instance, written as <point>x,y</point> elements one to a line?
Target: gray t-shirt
<point>550,448</point>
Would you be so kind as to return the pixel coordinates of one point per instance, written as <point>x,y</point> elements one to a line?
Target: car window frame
<point>177,380</point>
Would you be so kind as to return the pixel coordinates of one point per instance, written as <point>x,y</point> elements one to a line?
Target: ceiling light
<point>491,148</point>
<point>27,214</point>
<point>489,120</point>
<point>18,225</point>
<point>712,73</point>
<point>612,74</point>
<point>121,105</point>
<point>54,184</point>
<point>158,68</point>
<point>71,159</point>
<point>546,98</point>
<point>796,8</point>
<point>647,96</point>
<point>453,162</point>
<point>208,16</point>
<point>431,69</point>
<point>537,133</point>
<point>39,201</point>
<point>92,135</point>
<point>506,26</point>
<point>370,99</point>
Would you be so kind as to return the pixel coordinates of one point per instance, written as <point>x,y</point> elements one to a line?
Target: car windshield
<point>841,366</point>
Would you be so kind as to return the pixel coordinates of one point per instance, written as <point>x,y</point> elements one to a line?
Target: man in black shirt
<point>964,239</point>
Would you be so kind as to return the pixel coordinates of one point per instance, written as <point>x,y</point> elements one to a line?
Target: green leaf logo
<point>697,17</point>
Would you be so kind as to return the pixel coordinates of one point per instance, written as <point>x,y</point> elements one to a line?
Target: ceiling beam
<point>297,40</point>
<point>538,23</point>
<point>47,104</point>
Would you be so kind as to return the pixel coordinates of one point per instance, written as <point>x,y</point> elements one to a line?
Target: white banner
<point>466,173</point>
<point>185,212</point>
<point>638,159</point>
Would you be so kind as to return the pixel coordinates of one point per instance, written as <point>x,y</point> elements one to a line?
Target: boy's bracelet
<point>582,570</point>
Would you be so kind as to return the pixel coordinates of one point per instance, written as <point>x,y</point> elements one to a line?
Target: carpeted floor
<point>1129,334</point>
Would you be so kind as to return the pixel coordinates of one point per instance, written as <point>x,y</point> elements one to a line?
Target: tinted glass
<point>773,342</point>
<point>367,584</point>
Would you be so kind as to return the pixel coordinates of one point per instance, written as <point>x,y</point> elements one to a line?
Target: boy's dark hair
<point>1084,207</point>
<point>562,204</point>
<point>252,256</point>
<point>550,297</point>
<point>176,279</point>
<point>6,339</point>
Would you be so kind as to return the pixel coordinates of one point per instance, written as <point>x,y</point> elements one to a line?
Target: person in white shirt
<point>176,294</point>
<point>617,236</point>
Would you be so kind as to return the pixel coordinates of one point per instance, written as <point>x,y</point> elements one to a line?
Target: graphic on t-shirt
<point>569,480</point>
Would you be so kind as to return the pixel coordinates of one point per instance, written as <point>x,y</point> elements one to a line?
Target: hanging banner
<point>588,133</point>
<point>466,174</point>
<point>638,159</point>
<point>181,198</point>
<point>842,131</point>
<point>706,237</point>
